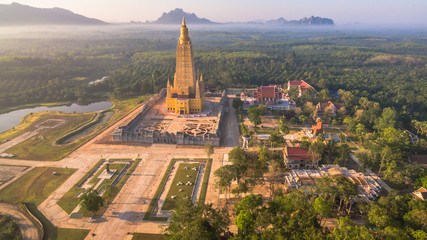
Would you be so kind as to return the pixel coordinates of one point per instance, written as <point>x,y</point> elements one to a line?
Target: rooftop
<point>298,153</point>
<point>368,188</point>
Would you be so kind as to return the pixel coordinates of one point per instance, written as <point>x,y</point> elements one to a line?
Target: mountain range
<point>175,17</point>
<point>18,14</point>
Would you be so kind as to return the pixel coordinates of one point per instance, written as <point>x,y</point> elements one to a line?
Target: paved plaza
<point>124,215</point>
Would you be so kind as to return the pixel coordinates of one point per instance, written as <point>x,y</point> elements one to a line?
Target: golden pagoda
<point>186,95</point>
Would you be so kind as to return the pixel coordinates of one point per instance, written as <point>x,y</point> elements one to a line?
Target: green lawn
<point>119,186</point>
<point>72,234</point>
<point>264,130</point>
<point>42,149</point>
<point>69,202</point>
<point>25,125</point>
<point>35,186</point>
<point>205,182</point>
<point>122,106</point>
<point>181,176</point>
<point>40,146</point>
<point>146,236</point>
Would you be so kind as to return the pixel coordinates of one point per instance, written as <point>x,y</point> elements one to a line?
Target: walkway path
<point>28,229</point>
<point>127,209</point>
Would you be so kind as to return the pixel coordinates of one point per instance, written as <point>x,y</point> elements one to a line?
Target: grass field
<point>119,186</point>
<point>25,125</point>
<point>147,236</point>
<point>122,106</point>
<point>35,186</point>
<point>264,130</point>
<point>69,202</point>
<point>72,234</point>
<point>40,147</point>
<point>181,176</point>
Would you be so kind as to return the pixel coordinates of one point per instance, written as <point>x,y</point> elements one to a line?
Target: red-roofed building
<point>270,93</point>
<point>301,85</point>
<point>421,193</point>
<point>299,157</point>
<point>328,106</point>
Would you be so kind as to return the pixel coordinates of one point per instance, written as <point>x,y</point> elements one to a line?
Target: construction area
<point>154,124</point>
<point>369,189</point>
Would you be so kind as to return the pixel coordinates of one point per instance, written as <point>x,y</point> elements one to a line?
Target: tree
<point>388,211</point>
<point>225,174</point>
<point>341,137</point>
<point>254,115</point>
<point>347,230</point>
<point>388,119</point>
<point>320,137</point>
<point>323,95</point>
<point>240,162</point>
<point>195,222</point>
<point>9,230</point>
<point>273,176</point>
<point>347,191</point>
<point>244,129</point>
<point>209,149</point>
<point>91,201</point>
<point>284,129</point>
<point>417,216</point>
<point>322,207</point>
<point>343,154</point>
<point>316,149</point>
<point>360,131</point>
<point>237,104</point>
<point>276,137</point>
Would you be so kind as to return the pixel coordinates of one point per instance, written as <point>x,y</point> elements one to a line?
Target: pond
<point>11,119</point>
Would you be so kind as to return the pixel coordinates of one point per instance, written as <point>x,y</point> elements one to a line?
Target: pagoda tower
<point>186,95</point>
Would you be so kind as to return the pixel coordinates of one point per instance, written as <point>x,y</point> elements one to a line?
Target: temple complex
<point>180,113</point>
<point>186,95</point>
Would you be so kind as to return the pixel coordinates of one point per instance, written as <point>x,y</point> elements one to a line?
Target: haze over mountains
<point>175,17</point>
<point>18,14</point>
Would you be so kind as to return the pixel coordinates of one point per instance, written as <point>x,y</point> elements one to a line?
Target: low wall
<point>125,133</point>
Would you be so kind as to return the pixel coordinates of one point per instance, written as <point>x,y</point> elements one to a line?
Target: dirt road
<point>28,229</point>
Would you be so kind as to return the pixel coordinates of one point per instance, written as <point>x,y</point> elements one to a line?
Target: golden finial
<point>183,22</point>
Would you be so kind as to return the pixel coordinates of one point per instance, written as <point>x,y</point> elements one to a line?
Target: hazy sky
<point>342,11</point>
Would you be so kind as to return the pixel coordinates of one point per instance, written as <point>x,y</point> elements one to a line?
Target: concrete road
<point>125,214</point>
<point>28,229</point>
<point>230,130</point>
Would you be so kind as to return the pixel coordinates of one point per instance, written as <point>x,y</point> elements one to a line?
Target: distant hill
<point>175,17</point>
<point>18,14</point>
<point>303,21</point>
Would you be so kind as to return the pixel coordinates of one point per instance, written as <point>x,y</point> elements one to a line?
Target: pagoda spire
<point>184,38</point>
<point>183,22</point>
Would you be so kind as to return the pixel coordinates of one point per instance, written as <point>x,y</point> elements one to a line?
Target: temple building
<point>186,95</point>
